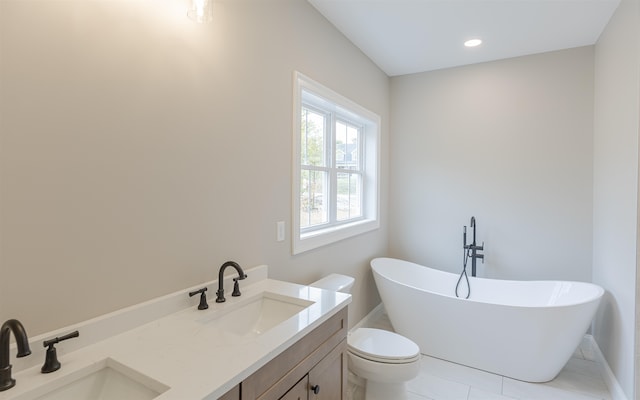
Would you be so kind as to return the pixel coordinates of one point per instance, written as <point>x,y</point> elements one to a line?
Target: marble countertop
<point>179,350</point>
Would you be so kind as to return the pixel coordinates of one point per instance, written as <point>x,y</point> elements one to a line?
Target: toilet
<point>386,360</point>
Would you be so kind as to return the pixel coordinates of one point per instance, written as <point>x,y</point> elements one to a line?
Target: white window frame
<point>310,92</point>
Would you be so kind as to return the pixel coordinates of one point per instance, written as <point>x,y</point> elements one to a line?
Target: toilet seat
<point>382,346</point>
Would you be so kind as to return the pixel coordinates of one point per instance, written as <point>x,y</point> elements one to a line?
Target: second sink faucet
<point>12,325</point>
<point>236,290</point>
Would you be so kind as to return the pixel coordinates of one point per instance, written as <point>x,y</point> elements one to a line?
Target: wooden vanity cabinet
<point>329,376</point>
<point>325,381</point>
<point>313,368</point>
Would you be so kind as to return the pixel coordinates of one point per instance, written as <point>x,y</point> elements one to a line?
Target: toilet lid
<point>385,346</point>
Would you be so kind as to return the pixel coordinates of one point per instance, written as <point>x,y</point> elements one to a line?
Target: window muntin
<point>336,151</point>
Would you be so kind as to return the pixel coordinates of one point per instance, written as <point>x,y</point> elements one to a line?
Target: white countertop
<point>180,350</point>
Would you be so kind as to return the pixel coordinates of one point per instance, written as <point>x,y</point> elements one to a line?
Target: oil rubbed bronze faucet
<point>12,325</point>
<point>236,287</point>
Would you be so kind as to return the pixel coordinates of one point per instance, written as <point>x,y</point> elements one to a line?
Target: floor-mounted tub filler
<point>525,330</point>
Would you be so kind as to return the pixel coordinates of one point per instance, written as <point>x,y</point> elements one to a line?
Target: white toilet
<point>384,359</point>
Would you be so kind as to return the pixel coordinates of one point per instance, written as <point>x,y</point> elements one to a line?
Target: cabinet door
<point>328,379</point>
<point>299,391</point>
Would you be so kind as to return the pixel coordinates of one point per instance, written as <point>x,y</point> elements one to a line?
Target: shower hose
<point>465,258</point>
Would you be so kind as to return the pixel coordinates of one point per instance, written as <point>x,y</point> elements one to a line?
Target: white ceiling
<point>409,36</point>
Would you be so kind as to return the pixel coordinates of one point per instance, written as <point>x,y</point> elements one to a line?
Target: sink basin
<point>105,380</point>
<point>257,315</point>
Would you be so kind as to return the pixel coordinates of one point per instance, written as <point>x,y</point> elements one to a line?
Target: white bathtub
<point>525,330</point>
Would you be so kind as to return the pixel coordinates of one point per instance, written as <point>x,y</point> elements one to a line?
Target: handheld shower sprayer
<point>473,225</point>
<point>464,237</point>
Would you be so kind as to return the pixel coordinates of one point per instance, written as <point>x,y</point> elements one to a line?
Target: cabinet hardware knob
<point>315,389</point>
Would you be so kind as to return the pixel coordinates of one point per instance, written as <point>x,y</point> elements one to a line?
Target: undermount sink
<point>105,380</point>
<point>257,315</point>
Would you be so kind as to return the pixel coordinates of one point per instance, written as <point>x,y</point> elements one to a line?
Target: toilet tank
<point>335,282</point>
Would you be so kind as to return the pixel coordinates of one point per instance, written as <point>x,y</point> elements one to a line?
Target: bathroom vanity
<point>315,367</point>
<point>278,340</point>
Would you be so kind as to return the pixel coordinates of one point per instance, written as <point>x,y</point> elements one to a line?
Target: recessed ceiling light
<point>473,42</point>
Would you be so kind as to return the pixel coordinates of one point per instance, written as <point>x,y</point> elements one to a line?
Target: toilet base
<point>385,391</point>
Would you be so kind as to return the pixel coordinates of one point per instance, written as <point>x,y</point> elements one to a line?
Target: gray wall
<point>615,212</point>
<point>141,150</point>
<point>509,142</point>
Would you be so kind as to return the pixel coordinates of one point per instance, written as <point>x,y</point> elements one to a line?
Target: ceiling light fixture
<point>201,11</point>
<point>473,42</point>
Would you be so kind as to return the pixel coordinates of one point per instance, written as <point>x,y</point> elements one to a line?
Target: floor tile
<point>581,376</point>
<point>479,394</point>
<point>578,353</point>
<point>462,374</point>
<point>437,388</point>
<point>540,391</point>
<point>586,347</point>
<point>414,396</point>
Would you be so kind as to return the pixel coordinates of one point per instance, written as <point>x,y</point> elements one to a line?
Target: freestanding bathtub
<point>525,330</point>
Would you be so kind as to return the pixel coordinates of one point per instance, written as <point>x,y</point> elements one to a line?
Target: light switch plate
<point>280,231</point>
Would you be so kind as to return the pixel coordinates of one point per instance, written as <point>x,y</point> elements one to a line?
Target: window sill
<point>323,237</point>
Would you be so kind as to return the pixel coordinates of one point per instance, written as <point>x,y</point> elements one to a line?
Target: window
<point>335,164</point>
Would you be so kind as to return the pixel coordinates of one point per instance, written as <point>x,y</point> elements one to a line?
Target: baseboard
<point>610,379</point>
<point>369,318</point>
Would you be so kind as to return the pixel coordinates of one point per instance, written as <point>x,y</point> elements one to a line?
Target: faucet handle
<point>51,362</point>
<point>236,287</point>
<point>203,298</point>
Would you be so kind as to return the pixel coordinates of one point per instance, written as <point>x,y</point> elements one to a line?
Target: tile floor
<point>441,380</point>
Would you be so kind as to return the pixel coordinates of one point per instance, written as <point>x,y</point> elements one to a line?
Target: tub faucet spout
<point>12,325</point>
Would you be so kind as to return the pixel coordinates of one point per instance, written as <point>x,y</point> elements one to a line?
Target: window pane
<point>353,138</point>
<point>347,146</point>
<point>312,141</point>
<point>349,196</point>
<point>313,196</point>
<point>341,144</point>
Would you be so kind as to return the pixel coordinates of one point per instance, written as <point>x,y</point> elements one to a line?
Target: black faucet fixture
<point>470,252</point>
<point>203,298</point>
<point>236,286</point>
<point>12,325</point>
<point>473,248</point>
<point>51,362</point>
